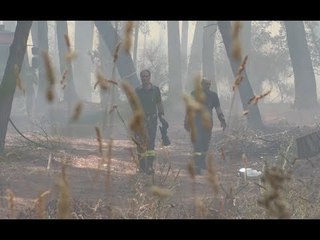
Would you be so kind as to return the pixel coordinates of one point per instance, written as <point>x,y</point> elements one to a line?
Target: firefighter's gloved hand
<point>160,115</point>
<point>223,125</point>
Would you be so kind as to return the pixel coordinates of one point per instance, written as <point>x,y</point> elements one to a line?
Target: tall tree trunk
<point>195,60</point>
<point>184,51</point>
<point>8,85</point>
<point>245,90</point>
<point>209,35</point>
<point>246,49</point>
<point>124,62</point>
<point>304,79</point>
<point>174,61</point>
<point>70,94</point>
<point>82,64</point>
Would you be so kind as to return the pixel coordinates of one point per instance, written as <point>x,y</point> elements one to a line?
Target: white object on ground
<point>250,172</point>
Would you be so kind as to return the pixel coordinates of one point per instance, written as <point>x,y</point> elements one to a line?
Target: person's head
<point>145,76</point>
<point>205,84</point>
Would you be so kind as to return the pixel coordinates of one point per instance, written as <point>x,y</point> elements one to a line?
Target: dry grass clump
<point>65,200</point>
<point>272,199</point>
<point>236,43</point>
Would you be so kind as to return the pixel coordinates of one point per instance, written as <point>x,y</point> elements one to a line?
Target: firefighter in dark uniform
<point>203,133</point>
<point>150,99</point>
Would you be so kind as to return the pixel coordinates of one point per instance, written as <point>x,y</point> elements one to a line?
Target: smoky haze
<point>71,110</point>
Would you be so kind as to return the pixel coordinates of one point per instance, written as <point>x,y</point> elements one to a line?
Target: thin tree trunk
<point>304,79</point>
<point>245,90</point>
<point>8,85</point>
<point>174,61</point>
<point>184,51</point>
<point>41,101</point>
<point>195,60</point>
<point>82,64</point>
<point>70,94</point>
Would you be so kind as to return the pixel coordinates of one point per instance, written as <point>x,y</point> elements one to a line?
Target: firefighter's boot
<point>197,164</point>
<point>149,165</point>
<point>143,165</point>
<point>203,164</point>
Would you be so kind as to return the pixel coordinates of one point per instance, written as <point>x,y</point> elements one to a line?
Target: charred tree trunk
<point>8,85</point>
<point>124,62</point>
<point>245,89</point>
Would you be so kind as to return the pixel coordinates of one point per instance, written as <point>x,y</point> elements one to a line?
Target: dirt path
<point>121,192</point>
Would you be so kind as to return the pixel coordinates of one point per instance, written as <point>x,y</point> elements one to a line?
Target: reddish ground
<point>121,192</point>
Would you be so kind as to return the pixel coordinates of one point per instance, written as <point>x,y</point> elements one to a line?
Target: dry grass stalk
<point>212,174</point>
<point>50,95</point>
<point>137,121</point>
<point>199,94</point>
<point>239,76</point>
<point>131,95</point>
<point>64,78</point>
<point>18,79</point>
<point>70,54</point>
<point>128,36</point>
<point>50,76</point>
<point>244,160</point>
<point>14,154</point>
<point>113,108</point>
<point>41,206</point>
<point>191,107</point>
<point>49,68</point>
<point>236,44</point>
<point>11,203</point>
<point>201,210</point>
<point>160,192</point>
<point>102,81</point>
<point>116,52</point>
<point>99,139</point>
<point>195,105</point>
<point>109,157</point>
<point>254,100</point>
<point>272,200</point>
<point>49,161</point>
<point>245,112</point>
<point>245,163</point>
<point>65,200</point>
<point>223,156</point>
<point>206,118</point>
<point>77,111</point>
<point>191,169</point>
